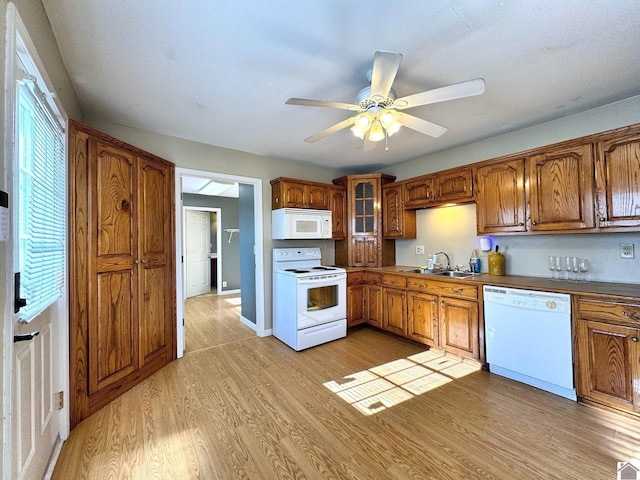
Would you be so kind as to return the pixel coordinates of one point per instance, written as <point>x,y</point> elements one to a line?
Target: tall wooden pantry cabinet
<point>122,272</point>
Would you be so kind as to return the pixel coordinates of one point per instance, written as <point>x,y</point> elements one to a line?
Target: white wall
<point>453,230</point>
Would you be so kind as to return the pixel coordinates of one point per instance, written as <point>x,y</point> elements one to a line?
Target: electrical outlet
<point>224,283</point>
<point>419,249</point>
<point>627,250</point>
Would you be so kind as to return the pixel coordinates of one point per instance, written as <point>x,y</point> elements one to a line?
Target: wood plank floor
<point>252,408</point>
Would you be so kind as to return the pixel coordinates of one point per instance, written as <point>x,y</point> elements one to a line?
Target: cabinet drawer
<point>610,312</point>
<point>397,281</point>
<point>354,278</point>
<point>443,288</point>
<point>373,278</point>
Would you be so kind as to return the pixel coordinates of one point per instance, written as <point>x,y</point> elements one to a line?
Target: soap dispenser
<point>474,262</point>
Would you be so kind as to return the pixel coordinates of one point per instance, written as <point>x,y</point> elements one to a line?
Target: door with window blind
<point>122,271</point>
<point>38,180</point>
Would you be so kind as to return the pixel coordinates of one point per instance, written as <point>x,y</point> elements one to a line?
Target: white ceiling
<point>220,71</point>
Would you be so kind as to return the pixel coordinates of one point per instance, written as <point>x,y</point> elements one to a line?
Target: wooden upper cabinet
<point>501,197</point>
<point>338,207</point>
<point>294,193</point>
<point>364,200</point>
<point>618,182</point>
<point>560,189</point>
<point>455,186</point>
<point>448,186</point>
<point>396,221</point>
<point>419,192</point>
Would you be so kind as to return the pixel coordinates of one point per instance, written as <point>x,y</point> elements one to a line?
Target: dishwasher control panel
<point>529,299</point>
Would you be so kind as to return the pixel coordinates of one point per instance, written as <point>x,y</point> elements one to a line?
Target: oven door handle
<point>327,280</point>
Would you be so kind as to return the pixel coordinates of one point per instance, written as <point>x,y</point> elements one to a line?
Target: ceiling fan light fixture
<point>362,124</point>
<point>376,133</point>
<point>389,120</point>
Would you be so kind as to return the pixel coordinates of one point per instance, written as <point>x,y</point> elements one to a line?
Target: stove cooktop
<point>311,271</point>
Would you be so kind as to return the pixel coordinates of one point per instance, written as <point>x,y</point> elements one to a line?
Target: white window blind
<point>42,194</point>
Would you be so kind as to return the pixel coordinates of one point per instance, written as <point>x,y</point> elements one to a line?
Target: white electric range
<point>309,299</point>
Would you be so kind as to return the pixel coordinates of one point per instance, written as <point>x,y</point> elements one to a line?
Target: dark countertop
<point>631,290</point>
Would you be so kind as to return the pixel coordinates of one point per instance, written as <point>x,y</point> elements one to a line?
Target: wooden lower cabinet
<point>395,311</point>
<point>356,295</point>
<point>458,323</point>
<point>374,305</point>
<point>440,314</point>
<point>422,318</point>
<point>608,354</point>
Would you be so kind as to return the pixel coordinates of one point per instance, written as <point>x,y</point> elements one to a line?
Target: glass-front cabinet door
<point>365,206</point>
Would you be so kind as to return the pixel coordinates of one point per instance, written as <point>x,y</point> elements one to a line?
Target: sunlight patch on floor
<point>383,386</point>
<point>234,301</point>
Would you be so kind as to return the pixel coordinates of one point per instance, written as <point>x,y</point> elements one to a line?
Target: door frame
<point>259,327</point>
<point>218,212</point>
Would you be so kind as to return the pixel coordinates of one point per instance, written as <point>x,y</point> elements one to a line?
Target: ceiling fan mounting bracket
<point>366,102</point>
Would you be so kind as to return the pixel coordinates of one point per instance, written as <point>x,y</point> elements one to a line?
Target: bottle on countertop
<point>474,262</point>
<point>496,263</point>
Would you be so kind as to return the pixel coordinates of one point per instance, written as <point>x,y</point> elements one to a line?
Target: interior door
<point>198,246</point>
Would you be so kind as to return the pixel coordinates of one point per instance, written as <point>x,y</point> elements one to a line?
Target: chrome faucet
<point>448,260</point>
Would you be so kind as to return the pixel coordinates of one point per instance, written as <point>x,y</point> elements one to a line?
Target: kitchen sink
<point>454,274</point>
<point>442,273</point>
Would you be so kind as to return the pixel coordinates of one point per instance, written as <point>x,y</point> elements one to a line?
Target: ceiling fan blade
<point>321,103</point>
<point>385,68</point>
<point>332,129</point>
<point>451,92</point>
<point>422,126</point>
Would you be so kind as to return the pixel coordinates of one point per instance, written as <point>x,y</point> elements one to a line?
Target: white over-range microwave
<point>300,223</point>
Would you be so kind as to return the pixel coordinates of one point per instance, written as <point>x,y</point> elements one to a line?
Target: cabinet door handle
<point>442,304</point>
<point>144,260</point>
<point>456,291</point>
<point>602,219</point>
<point>634,339</point>
<point>534,223</point>
<point>521,224</point>
<point>631,316</point>
<point>136,261</point>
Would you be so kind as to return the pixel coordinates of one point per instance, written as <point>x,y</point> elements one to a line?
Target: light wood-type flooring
<point>243,407</point>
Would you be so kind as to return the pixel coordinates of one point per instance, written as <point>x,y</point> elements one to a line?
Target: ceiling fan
<point>378,109</point>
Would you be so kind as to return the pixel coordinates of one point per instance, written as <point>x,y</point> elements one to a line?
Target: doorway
<point>203,251</point>
<point>251,259</point>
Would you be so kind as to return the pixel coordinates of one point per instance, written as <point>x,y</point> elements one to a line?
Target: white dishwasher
<point>528,337</point>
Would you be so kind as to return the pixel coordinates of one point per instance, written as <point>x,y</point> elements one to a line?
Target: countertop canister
<point>496,263</point>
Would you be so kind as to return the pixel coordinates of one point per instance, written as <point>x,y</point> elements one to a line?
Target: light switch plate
<point>627,250</point>
<point>4,216</point>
